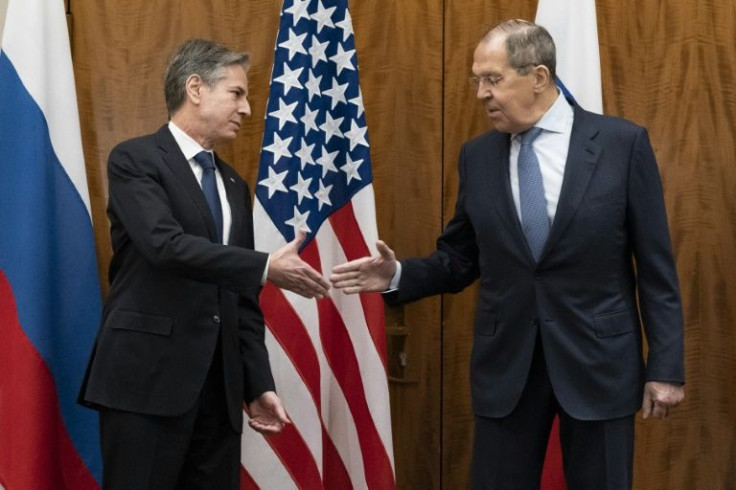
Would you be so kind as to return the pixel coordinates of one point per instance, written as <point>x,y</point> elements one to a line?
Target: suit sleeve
<point>659,295</point>
<point>258,378</point>
<point>454,264</point>
<point>140,205</point>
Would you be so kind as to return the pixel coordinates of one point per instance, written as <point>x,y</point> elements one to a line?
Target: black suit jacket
<point>607,265</point>
<point>174,290</point>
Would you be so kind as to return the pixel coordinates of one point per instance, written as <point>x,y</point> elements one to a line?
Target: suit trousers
<point>197,450</point>
<point>508,452</point>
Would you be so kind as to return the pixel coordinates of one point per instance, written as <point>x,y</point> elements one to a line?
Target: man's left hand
<point>267,414</point>
<point>660,398</point>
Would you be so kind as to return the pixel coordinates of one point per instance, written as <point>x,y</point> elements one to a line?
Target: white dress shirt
<point>190,147</point>
<point>551,147</point>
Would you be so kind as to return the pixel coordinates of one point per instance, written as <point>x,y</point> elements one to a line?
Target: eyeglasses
<point>490,81</point>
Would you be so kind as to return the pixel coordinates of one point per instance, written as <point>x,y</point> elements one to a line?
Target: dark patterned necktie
<point>209,187</point>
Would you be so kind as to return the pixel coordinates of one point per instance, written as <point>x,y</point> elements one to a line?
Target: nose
<point>483,92</point>
<point>244,108</point>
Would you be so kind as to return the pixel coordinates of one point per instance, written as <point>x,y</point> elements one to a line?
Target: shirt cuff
<point>394,284</point>
<point>264,277</point>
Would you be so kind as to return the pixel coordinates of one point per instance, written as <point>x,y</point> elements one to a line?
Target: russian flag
<point>49,285</point>
<point>573,26</point>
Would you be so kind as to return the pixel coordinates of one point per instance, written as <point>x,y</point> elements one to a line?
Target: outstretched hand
<point>267,414</point>
<point>367,274</point>
<point>288,271</point>
<point>660,398</point>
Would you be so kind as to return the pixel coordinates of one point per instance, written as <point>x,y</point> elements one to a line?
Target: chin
<point>500,125</point>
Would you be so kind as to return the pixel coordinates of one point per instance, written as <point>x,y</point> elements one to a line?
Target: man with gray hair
<point>181,345</point>
<point>561,217</point>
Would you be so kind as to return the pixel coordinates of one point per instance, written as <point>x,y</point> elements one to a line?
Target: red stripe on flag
<point>36,451</point>
<point>334,472</point>
<point>348,233</point>
<point>288,329</point>
<point>246,481</point>
<point>296,457</point>
<point>340,354</point>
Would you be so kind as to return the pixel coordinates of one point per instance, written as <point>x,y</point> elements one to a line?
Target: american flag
<point>328,356</point>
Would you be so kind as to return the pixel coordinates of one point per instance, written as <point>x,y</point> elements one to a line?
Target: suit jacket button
<point>216,320</point>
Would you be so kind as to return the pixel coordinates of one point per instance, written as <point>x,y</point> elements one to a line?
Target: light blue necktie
<point>534,217</point>
<point>209,187</point>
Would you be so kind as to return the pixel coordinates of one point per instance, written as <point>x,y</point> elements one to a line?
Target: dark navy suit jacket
<point>606,271</point>
<point>174,291</point>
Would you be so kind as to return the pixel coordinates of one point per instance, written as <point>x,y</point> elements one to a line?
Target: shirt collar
<point>189,147</point>
<point>558,118</point>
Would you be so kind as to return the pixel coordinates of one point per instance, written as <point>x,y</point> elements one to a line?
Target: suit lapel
<point>179,166</point>
<point>499,184</point>
<point>582,159</point>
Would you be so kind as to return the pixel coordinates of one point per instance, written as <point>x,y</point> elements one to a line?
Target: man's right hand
<point>288,271</point>
<point>367,274</point>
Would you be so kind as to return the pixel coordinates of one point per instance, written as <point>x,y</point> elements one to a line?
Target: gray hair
<point>197,57</point>
<point>527,44</point>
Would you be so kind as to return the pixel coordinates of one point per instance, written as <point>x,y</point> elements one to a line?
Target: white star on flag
<point>295,44</point>
<point>343,59</point>
<point>285,113</point>
<point>279,148</point>
<point>305,154</point>
<point>313,85</point>
<point>323,17</point>
<point>289,79</point>
<point>309,119</point>
<point>336,93</point>
<point>323,195</point>
<point>356,135</point>
<point>302,188</point>
<point>331,127</point>
<point>346,25</point>
<point>358,102</point>
<point>299,221</point>
<point>351,169</point>
<point>327,161</point>
<point>298,10</point>
<point>274,182</point>
<point>317,51</point>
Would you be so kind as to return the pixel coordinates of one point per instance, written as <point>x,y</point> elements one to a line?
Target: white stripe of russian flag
<point>36,40</point>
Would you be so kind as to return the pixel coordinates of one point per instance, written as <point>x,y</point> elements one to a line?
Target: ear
<point>542,78</point>
<point>194,86</point>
